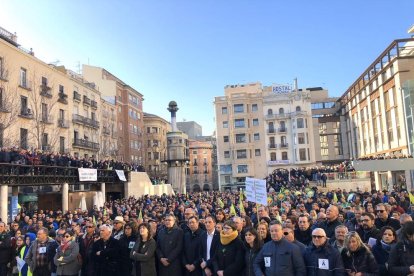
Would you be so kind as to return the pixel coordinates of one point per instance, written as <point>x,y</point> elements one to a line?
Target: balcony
<point>47,119</point>
<point>63,123</point>
<point>26,113</point>
<point>4,75</point>
<point>79,119</point>
<point>86,100</point>
<point>284,145</point>
<point>94,104</point>
<point>27,85</point>
<point>46,91</point>
<point>277,116</point>
<point>63,98</point>
<point>271,130</point>
<point>272,146</point>
<point>82,143</point>
<point>282,130</point>
<point>106,131</point>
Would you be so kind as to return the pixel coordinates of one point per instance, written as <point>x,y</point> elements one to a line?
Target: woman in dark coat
<point>253,244</point>
<point>382,248</point>
<point>143,253</point>
<point>127,242</point>
<point>357,257</point>
<point>401,261</point>
<point>229,257</point>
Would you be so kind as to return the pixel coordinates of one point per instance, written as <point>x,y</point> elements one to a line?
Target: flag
<point>233,210</point>
<point>241,207</point>
<point>220,203</point>
<point>140,215</point>
<point>335,198</point>
<point>18,206</point>
<point>94,220</point>
<point>241,195</point>
<point>411,197</point>
<point>104,211</point>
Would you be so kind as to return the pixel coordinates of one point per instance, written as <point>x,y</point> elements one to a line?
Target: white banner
<point>256,190</point>
<point>88,174</point>
<point>121,175</point>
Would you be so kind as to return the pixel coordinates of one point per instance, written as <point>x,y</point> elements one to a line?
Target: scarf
<point>64,246</point>
<point>385,246</point>
<point>225,239</point>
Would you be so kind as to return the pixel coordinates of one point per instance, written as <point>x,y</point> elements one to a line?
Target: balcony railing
<point>86,100</point>
<point>282,129</point>
<point>63,98</point>
<point>77,96</point>
<point>271,130</point>
<point>94,104</point>
<point>26,113</point>
<point>85,121</point>
<point>47,119</point>
<point>284,145</point>
<point>63,123</point>
<point>46,91</point>
<point>25,84</point>
<point>85,144</point>
<point>272,146</point>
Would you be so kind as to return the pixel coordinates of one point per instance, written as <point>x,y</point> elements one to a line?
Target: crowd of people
<point>301,231</point>
<point>385,157</point>
<point>20,156</point>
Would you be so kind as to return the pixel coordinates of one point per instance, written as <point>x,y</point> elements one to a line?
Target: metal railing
<point>77,96</point>
<point>85,144</point>
<point>86,121</point>
<point>86,100</point>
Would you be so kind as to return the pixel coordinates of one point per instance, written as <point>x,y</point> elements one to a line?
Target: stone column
<point>65,197</point>
<point>4,193</point>
<point>103,191</point>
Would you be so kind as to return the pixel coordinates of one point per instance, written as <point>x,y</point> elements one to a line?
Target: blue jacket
<point>315,256</point>
<point>280,258</point>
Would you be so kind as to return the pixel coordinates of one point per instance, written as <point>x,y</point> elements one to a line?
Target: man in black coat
<point>383,219</point>
<point>192,245</point>
<point>209,243</point>
<point>5,249</point>
<point>106,254</point>
<point>368,229</point>
<point>169,248</point>
<point>332,214</point>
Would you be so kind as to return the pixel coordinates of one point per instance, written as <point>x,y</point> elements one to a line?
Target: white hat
<point>119,219</point>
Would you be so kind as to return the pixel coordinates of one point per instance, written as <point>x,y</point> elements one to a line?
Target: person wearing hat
<point>118,230</point>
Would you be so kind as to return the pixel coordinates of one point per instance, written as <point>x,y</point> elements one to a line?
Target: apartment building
<point>330,147</point>
<point>200,171</point>
<point>109,134</point>
<point>377,113</point>
<point>37,110</point>
<point>128,102</point>
<point>156,129</point>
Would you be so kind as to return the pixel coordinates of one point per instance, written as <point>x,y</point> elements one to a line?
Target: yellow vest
<point>29,273</point>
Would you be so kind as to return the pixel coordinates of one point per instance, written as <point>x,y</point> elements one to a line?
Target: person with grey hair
<point>340,233</point>
<point>106,252</point>
<point>404,218</point>
<point>321,258</point>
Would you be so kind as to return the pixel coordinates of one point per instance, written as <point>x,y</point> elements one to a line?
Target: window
<point>227,179</point>
<point>284,155</point>
<point>242,169</point>
<point>1,98</point>
<point>224,110</point>
<point>239,123</point>
<point>269,111</point>
<point>299,123</point>
<point>61,89</point>
<point>273,156</point>
<point>23,106</point>
<point>297,108</point>
<point>322,128</point>
<point>302,154</point>
<point>257,152</point>
<point>256,136</point>
<point>241,138</point>
<point>226,139</point>
<point>238,108</point>
<point>338,144</point>
<point>254,107</point>
<point>23,138</point>
<point>225,124</point>
<point>62,144</point>
<point>281,110</point>
<point>23,77</point>
<point>241,154</point>
<point>1,136</point>
<point>226,154</point>
<point>255,122</point>
<point>301,138</point>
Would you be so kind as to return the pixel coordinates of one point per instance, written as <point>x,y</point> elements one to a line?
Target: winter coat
<point>229,258</point>
<point>127,243</point>
<point>361,260</point>
<point>145,262</point>
<point>371,233</point>
<point>69,264</point>
<point>249,257</point>
<point>5,248</point>
<point>170,246</point>
<point>401,258</point>
<point>316,267</point>
<point>30,258</point>
<point>191,251</point>
<point>381,254</point>
<point>108,263</point>
<point>279,258</point>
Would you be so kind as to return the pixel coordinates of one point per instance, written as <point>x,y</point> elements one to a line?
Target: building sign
<point>256,190</point>
<point>121,175</point>
<point>88,174</point>
<point>277,162</point>
<point>282,89</point>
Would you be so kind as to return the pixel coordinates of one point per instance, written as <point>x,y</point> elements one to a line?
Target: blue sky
<point>188,51</point>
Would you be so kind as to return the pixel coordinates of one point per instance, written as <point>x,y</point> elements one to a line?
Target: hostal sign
<point>282,89</point>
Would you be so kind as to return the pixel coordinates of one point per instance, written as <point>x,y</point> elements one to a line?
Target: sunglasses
<point>67,236</point>
<point>89,226</point>
<point>286,233</point>
<point>317,237</point>
<point>380,211</point>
